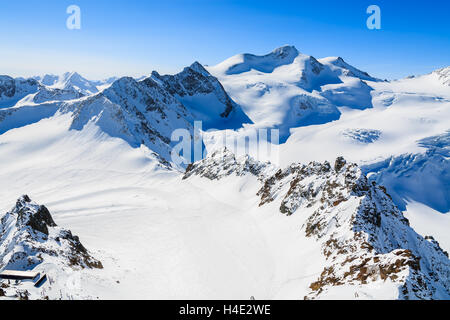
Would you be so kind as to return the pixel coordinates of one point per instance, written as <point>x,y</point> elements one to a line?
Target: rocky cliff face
<point>12,90</point>
<point>71,81</point>
<point>29,237</point>
<point>364,238</point>
<point>204,96</point>
<point>343,68</point>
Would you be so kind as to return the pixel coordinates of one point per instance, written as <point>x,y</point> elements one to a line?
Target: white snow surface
<point>159,236</point>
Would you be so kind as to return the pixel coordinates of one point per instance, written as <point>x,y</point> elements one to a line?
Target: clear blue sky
<point>130,37</point>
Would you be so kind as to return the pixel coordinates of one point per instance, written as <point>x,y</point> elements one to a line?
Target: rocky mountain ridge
<point>29,236</point>
<point>365,239</point>
<point>143,111</point>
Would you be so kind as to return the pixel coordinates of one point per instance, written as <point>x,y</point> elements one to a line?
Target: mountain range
<point>354,203</point>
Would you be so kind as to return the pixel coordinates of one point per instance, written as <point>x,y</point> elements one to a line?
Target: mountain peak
<point>338,63</point>
<point>72,74</point>
<point>123,81</point>
<point>285,51</point>
<point>444,75</point>
<point>38,218</point>
<point>198,67</point>
<point>263,63</point>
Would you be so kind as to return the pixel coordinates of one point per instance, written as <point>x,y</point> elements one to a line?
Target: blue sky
<point>131,37</point>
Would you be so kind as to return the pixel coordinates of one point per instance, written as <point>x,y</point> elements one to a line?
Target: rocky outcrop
<point>29,237</point>
<point>70,81</point>
<point>345,69</point>
<point>223,163</point>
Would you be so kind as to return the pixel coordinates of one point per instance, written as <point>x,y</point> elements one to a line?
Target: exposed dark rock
<point>339,164</point>
<point>26,240</point>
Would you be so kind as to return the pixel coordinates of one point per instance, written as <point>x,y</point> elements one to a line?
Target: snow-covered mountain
<point>204,96</point>
<point>287,89</point>
<point>12,90</point>
<point>142,112</point>
<point>30,240</point>
<point>343,68</point>
<point>138,112</point>
<point>304,225</point>
<point>327,108</point>
<point>443,75</point>
<point>72,81</point>
<point>366,241</point>
<point>30,236</point>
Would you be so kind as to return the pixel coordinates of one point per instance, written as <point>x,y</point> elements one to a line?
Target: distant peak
<point>444,75</point>
<point>198,67</point>
<point>335,60</point>
<point>71,74</point>
<point>443,70</point>
<point>285,51</point>
<point>155,74</point>
<point>263,63</point>
<point>32,215</point>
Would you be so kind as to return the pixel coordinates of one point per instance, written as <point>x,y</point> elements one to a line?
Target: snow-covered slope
<point>368,245</point>
<point>443,75</point>
<point>287,89</point>
<point>159,236</point>
<point>235,227</point>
